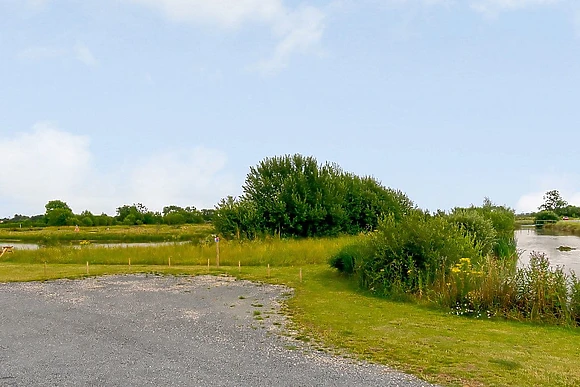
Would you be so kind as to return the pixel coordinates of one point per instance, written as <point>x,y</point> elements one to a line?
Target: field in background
<point>129,234</point>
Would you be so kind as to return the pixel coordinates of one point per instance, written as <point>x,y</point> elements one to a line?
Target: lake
<point>529,240</point>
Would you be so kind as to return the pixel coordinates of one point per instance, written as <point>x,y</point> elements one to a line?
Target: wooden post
<point>129,261</point>
<point>45,268</point>
<point>268,270</point>
<point>169,261</point>
<point>87,267</point>
<point>217,251</point>
<point>239,266</point>
<point>208,264</point>
<point>300,274</point>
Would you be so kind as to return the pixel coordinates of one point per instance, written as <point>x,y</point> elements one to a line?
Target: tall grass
<point>145,233</point>
<point>273,251</point>
<point>537,292</point>
<point>565,227</point>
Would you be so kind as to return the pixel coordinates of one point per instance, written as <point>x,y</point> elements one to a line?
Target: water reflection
<point>529,240</point>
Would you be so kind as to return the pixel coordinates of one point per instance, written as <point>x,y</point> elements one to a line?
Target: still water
<point>34,246</point>
<point>529,240</point>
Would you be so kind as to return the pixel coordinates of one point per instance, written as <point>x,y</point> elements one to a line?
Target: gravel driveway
<point>138,330</point>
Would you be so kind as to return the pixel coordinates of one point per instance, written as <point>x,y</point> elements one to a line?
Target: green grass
<point>332,313</point>
<point>564,227</point>
<point>143,233</point>
<point>247,253</point>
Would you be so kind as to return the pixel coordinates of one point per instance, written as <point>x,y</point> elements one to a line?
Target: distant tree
<point>58,213</point>
<point>553,202</point>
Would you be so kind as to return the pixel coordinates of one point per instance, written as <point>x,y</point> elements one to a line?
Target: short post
<point>169,261</point>
<point>217,251</point>
<point>239,266</point>
<point>300,274</point>
<point>87,267</point>
<point>268,270</point>
<point>129,261</point>
<point>45,268</point>
<point>208,264</point>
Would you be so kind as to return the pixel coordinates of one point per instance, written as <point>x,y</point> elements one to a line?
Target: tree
<point>58,213</point>
<point>553,202</point>
<point>296,196</point>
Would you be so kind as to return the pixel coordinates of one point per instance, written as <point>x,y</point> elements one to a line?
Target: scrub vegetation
<point>435,294</point>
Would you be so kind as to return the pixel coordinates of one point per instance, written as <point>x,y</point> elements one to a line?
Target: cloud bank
<point>47,163</point>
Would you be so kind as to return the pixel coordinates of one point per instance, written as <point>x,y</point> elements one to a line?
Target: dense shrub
<point>543,217</point>
<point>406,256</point>
<point>295,196</point>
<point>473,223</point>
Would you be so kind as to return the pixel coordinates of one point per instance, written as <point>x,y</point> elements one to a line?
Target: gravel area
<point>140,330</point>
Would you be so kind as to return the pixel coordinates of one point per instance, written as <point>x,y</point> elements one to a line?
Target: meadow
<point>126,234</point>
<point>331,312</point>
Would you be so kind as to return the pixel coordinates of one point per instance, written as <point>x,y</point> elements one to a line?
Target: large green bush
<point>406,256</point>
<point>295,196</point>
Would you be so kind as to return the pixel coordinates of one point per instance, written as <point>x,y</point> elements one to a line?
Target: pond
<point>529,240</point>
<point>35,246</point>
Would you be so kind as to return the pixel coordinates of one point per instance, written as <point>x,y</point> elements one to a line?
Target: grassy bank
<point>129,234</point>
<point>436,346</point>
<point>564,227</point>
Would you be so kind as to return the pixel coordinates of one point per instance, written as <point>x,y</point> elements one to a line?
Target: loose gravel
<point>148,330</point>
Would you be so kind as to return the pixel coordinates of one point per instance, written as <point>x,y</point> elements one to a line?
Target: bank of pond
<point>539,286</point>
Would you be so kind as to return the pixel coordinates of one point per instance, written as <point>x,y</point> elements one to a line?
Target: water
<point>34,246</point>
<point>529,240</point>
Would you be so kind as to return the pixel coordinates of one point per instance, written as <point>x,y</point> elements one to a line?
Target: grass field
<point>143,233</point>
<point>333,314</point>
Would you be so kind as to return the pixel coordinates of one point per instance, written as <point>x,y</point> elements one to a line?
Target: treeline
<point>295,196</point>
<point>58,213</point>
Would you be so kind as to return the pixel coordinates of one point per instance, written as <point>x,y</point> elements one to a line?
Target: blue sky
<point>112,102</point>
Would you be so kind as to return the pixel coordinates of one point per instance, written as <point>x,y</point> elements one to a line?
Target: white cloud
<point>47,163</point>
<point>301,32</point>
<point>42,165</point>
<point>492,7</point>
<point>84,55</point>
<point>297,30</point>
<point>529,202</point>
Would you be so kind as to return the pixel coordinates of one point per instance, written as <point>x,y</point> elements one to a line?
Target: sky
<point>170,102</point>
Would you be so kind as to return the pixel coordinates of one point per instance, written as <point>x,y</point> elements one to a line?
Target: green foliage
<point>553,201</point>
<point>406,256</point>
<point>544,217</point>
<point>58,213</point>
<point>345,259</point>
<point>472,222</point>
<point>537,292</point>
<point>295,196</point>
<point>503,221</point>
